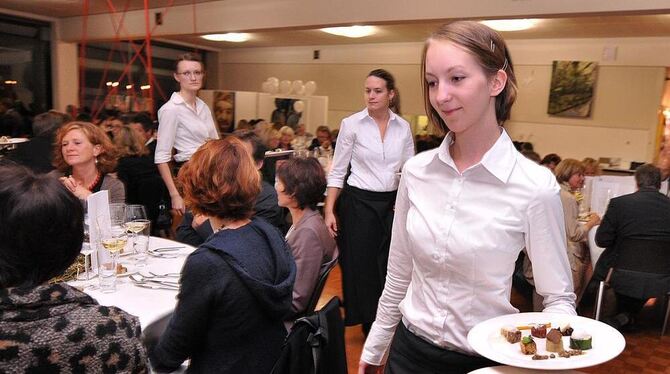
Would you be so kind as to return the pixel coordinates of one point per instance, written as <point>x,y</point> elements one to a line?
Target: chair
<point>315,344</point>
<point>320,284</point>
<point>642,271</point>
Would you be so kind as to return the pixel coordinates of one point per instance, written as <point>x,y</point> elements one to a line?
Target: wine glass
<point>113,244</point>
<point>135,221</point>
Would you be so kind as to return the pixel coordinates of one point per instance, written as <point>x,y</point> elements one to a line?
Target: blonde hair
<point>129,142</point>
<point>567,168</point>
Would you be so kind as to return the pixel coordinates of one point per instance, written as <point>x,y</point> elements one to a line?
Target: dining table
<point>166,258</point>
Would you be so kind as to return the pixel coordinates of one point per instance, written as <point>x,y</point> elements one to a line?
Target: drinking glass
<point>107,256</point>
<point>133,213</point>
<point>117,215</point>
<point>141,229</point>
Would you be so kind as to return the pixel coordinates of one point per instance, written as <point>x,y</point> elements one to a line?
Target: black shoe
<point>618,321</point>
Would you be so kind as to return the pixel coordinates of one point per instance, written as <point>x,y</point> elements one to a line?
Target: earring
<point>96,160</point>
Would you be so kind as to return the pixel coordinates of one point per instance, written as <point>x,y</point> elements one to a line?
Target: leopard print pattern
<point>59,329</point>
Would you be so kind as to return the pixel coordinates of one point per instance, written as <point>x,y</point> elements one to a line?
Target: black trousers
<point>365,220</point>
<point>410,354</point>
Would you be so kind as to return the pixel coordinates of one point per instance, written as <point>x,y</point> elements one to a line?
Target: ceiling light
<point>511,24</point>
<point>235,37</point>
<point>351,31</point>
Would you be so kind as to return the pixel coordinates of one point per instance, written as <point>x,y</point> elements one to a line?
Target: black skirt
<point>365,220</point>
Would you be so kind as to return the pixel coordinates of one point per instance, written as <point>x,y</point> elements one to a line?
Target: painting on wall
<point>224,111</point>
<point>571,92</point>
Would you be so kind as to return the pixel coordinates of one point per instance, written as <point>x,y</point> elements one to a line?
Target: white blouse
<point>374,162</point>
<point>182,128</point>
<point>456,237</point>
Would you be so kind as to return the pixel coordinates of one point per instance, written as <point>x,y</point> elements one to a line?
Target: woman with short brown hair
<point>236,287</point>
<point>570,176</point>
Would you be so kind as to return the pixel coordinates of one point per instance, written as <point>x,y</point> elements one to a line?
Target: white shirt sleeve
<point>167,130</point>
<point>408,150</point>
<point>342,157</point>
<point>398,278</point>
<point>546,247</point>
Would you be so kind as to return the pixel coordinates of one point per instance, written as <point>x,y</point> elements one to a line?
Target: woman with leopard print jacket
<point>53,328</point>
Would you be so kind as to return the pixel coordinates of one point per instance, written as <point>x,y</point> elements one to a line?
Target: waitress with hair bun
<point>373,144</point>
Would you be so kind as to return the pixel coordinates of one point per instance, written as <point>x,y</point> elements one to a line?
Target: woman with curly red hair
<point>84,157</point>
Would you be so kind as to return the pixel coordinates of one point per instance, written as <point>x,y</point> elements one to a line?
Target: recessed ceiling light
<point>351,31</point>
<point>235,37</point>
<point>511,24</point>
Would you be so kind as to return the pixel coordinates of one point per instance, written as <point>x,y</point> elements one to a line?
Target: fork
<point>163,283</point>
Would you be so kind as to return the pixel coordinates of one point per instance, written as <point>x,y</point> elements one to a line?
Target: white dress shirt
<point>182,128</point>
<point>374,162</point>
<point>456,237</point>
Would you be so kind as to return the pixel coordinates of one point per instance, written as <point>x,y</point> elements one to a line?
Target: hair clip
<point>493,47</point>
<point>505,65</point>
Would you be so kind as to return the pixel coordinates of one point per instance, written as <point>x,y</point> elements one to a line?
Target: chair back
<point>320,284</point>
<point>315,344</point>
<point>645,256</point>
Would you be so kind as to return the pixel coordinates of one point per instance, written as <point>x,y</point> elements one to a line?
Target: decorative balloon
<point>285,87</point>
<point>310,88</point>
<point>297,87</point>
<point>273,86</point>
<point>265,87</point>
<point>273,81</point>
<point>299,106</point>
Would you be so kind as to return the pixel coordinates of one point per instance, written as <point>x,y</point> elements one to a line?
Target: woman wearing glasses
<point>184,123</point>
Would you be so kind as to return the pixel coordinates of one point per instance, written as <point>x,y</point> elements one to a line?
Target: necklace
<point>95,182</point>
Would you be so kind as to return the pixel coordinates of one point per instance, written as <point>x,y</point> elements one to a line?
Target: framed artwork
<point>224,111</point>
<point>571,92</point>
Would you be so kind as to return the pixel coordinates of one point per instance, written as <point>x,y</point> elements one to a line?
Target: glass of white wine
<point>108,257</point>
<point>140,229</point>
<point>134,213</point>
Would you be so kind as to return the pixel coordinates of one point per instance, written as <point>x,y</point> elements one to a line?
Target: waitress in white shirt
<point>373,144</point>
<point>464,212</point>
<point>184,123</point>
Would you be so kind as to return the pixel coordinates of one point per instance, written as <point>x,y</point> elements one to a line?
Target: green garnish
<point>527,339</point>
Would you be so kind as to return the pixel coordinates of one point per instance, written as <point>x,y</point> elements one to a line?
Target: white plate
<point>13,141</point>
<point>486,340</point>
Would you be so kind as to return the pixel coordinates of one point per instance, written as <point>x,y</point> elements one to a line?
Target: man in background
<point>643,215</point>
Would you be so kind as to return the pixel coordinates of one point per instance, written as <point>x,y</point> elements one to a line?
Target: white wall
<point>626,98</point>
<point>239,15</point>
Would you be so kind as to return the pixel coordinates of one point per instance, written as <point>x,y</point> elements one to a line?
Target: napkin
<point>100,223</point>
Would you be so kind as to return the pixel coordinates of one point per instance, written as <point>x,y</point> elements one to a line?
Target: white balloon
<point>297,86</point>
<point>310,88</point>
<point>299,106</point>
<point>285,87</point>
<point>265,87</point>
<point>273,86</point>
<point>273,80</point>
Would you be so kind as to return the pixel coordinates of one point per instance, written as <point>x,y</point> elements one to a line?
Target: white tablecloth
<point>147,304</point>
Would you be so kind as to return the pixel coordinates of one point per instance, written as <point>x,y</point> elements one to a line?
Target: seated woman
<point>84,159</point>
<point>136,169</point>
<point>286,135</point>
<point>570,176</point>
<point>53,327</point>
<point>300,185</point>
<point>236,287</point>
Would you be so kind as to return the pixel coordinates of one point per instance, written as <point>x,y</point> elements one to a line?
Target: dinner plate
<point>13,141</point>
<point>486,340</point>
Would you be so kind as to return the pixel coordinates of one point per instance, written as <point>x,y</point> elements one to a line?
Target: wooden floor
<point>646,352</point>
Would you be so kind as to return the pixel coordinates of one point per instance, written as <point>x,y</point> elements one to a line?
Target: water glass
<point>141,243</point>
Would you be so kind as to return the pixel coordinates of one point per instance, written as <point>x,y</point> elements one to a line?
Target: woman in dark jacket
<point>45,327</point>
<point>236,287</point>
